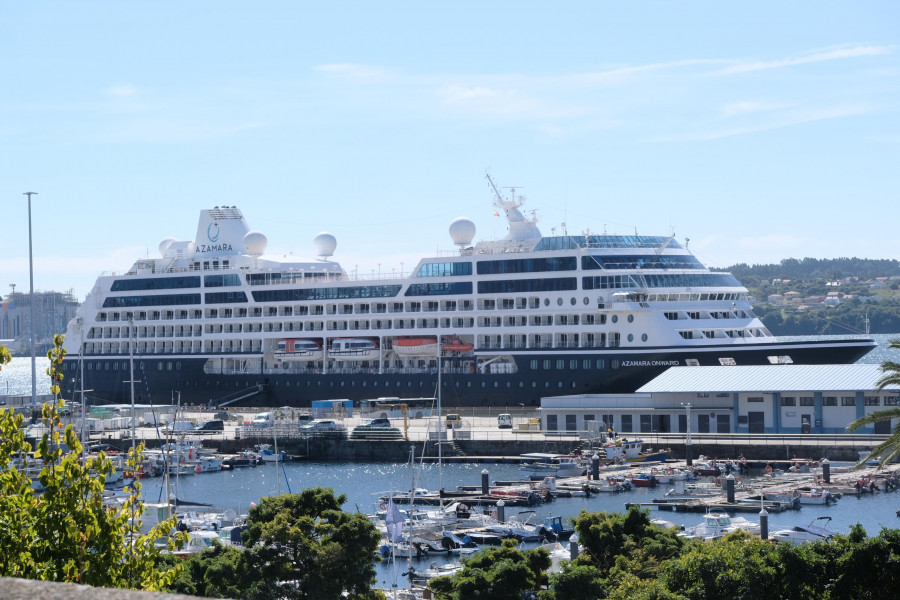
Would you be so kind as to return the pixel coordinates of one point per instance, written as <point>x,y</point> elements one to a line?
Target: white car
<point>321,426</point>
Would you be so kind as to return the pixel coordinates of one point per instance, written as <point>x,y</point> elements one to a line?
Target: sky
<point>758,131</point>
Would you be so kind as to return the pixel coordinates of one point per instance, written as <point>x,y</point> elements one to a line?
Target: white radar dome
<point>462,231</point>
<point>165,244</point>
<point>325,244</point>
<point>255,243</point>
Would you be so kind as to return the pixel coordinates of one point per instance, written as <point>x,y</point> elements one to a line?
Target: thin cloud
<point>794,118</point>
<point>505,103</point>
<point>837,54</point>
<point>745,108</point>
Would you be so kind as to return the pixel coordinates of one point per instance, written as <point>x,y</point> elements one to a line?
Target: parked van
<point>182,426</point>
<point>504,421</point>
<point>453,420</point>
<point>266,419</point>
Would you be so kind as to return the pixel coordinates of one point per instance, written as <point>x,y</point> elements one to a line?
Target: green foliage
<point>501,573</point>
<point>67,533</point>
<point>616,543</point>
<point>576,582</point>
<point>304,546</point>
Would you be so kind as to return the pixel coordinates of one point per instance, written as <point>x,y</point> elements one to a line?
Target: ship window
<point>546,301</point>
<point>630,337</point>
<point>560,365</point>
<point>643,337</point>
<point>586,300</point>
<point>534,384</point>
<point>559,301</point>
<point>615,318</point>
<point>631,318</point>
<point>546,364</point>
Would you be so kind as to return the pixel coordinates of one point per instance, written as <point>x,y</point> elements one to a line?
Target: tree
<point>889,449</point>
<point>303,546</point>
<point>616,543</point>
<point>501,573</point>
<point>67,533</point>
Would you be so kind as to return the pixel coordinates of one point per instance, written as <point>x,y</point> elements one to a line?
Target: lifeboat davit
<point>416,347</point>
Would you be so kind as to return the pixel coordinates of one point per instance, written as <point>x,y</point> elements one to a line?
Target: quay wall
<point>340,450</point>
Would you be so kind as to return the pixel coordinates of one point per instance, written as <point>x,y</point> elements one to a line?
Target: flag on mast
<point>394,521</point>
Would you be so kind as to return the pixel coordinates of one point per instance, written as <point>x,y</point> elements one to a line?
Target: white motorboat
<point>801,534</point>
<point>717,525</point>
<point>538,465</point>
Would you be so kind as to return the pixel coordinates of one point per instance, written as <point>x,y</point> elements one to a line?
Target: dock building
<point>788,399</point>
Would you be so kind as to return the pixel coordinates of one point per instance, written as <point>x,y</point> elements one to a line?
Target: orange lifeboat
<point>457,345</point>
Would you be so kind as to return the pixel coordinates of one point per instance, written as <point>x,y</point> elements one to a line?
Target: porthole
<point>572,301</point>
<point>573,385</point>
<point>546,301</point>
<point>630,337</point>
<point>483,384</point>
<point>287,383</point>
<point>615,318</point>
<point>559,301</point>
<point>587,300</point>
<point>496,384</point>
<point>559,384</point>
<point>508,384</point>
<point>534,384</point>
<point>468,384</point>
<point>643,337</point>
<point>631,318</point>
<point>547,385</point>
<point>521,384</point>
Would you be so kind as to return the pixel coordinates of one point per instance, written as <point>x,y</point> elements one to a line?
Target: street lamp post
<point>687,437</point>
<point>31,302</point>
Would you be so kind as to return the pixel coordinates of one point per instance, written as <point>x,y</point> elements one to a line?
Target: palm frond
<point>878,416</point>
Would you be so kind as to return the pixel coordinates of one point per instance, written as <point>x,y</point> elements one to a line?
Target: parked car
<point>453,420</point>
<point>182,426</point>
<point>321,426</point>
<point>266,419</point>
<point>213,425</point>
<point>504,421</point>
<point>379,427</point>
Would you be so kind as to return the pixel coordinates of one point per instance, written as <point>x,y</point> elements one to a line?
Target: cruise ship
<point>214,320</point>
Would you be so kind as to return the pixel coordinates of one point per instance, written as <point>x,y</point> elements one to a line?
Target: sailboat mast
<point>441,430</point>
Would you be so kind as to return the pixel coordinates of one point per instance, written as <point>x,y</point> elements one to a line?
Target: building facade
<point>52,311</point>
<point>768,399</point>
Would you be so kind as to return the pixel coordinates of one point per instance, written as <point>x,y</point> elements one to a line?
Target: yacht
<point>509,321</point>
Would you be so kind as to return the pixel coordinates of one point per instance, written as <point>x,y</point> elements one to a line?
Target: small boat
<point>800,534</point>
<point>267,454</point>
<point>624,451</point>
<point>456,345</point>
<point>350,349</point>
<point>810,496</point>
<point>643,480</point>
<point>415,346</point>
<point>298,350</point>
<point>538,465</point>
<point>717,525</point>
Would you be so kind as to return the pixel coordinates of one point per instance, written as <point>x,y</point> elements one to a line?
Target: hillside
<point>824,296</point>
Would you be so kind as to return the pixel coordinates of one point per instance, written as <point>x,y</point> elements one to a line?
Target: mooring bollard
<point>826,470</point>
<point>501,512</point>
<point>595,467</point>
<point>764,524</point>
<point>573,546</point>
<point>485,482</point>
<point>729,488</point>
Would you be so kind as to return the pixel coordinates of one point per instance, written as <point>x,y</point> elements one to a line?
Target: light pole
<point>687,437</point>
<point>31,302</point>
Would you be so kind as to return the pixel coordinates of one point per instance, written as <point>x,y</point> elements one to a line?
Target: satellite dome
<point>255,243</point>
<point>165,244</point>
<point>325,243</point>
<point>462,231</point>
